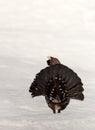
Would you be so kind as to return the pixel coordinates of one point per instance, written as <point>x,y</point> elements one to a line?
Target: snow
<point>31,30</point>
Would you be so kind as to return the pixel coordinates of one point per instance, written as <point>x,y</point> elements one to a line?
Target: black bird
<point>58,84</point>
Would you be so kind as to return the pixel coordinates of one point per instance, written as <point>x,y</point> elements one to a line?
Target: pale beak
<point>49,57</point>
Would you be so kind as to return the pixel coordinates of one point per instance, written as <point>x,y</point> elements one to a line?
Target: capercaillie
<point>58,84</point>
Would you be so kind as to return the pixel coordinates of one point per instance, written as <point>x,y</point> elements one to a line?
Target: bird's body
<point>58,84</point>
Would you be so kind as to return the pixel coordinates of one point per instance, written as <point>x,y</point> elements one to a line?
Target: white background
<point>31,30</point>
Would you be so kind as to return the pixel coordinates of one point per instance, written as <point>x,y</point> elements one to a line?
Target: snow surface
<point>31,30</point>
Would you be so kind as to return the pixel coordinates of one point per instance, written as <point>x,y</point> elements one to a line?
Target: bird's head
<point>52,61</point>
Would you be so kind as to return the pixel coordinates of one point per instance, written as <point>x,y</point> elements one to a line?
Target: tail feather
<point>53,77</point>
<point>78,96</point>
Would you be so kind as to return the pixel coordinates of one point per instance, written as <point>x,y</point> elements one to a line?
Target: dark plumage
<point>58,84</point>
